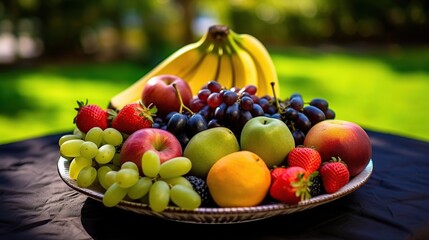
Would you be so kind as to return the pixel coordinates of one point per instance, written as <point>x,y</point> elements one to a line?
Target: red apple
<point>160,91</point>
<point>344,139</point>
<point>164,143</point>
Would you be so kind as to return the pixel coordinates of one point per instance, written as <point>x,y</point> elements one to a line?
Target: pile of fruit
<point>184,137</point>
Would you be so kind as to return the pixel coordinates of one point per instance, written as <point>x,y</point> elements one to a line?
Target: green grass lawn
<point>380,90</point>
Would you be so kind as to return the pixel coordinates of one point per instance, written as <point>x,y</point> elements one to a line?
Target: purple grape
<point>314,114</point>
<point>330,114</point>
<point>203,94</point>
<point>246,103</point>
<point>265,104</point>
<point>229,97</point>
<point>290,113</point>
<point>302,122</point>
<point>251,89</point>
<point>298,136</point>
<point>276,116</point>
<point>214,99</point>
<point>219,112</point>
<point>297,103</point>
<point>320,103</point>
<point>244,117</point>
<point>206,112</point>
<point>196,124</point>
<point>196,104</point>
<point>177,123</point>
<point>271,110</point>
<point>214,86</point>
<point>232,113</point>
<point>257,110</point>
<point>214,123</point>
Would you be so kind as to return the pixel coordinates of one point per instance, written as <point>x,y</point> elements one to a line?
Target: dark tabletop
<point>393,204</point>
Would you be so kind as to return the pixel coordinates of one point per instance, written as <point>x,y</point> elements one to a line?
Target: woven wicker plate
<point>220,215</point>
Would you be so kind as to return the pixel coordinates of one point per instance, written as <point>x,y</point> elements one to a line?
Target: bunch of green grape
<point>94,158</point>
<point>160,185</point>
<point>88,152</point>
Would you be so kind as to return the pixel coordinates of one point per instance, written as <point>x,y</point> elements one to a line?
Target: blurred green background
<point>369,59</point>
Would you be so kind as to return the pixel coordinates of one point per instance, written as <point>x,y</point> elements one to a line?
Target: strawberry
<point>334,175</point>
<point>276,172</point>
<point>305,157</point>
<point>89,116</point>
<point>132,117</point>
<point>292,186</point>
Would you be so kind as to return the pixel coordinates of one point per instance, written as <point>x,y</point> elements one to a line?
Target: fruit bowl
<point>219,215</point>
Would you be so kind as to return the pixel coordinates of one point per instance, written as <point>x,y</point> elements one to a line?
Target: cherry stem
<point>181,101</point>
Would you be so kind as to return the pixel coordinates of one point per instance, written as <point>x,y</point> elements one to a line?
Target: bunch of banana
<point>234,60</point>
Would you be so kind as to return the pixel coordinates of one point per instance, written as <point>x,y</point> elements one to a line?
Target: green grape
<point>159,196</point>
<point>71,148</point>
<point>130,165</point>
<point>175,167</point>
<point>86,176</point>
<point>117,160</point>
<point>78,132</point>
<point>95,135</point>
<point>83,161</point>
<point>178,180</point>
<point>112,136</point>
<point>77,164</point>
<point>88,149</point>
<point>105,154</point>
<point>185,197</point>
<point>110,177</point>
<point>67,137</point>
<point>112,166</point>
<point>150,163</point>
<point>127,177</point>
<point>113,195</point>
<point>101,174</point>
<point>140,189</point>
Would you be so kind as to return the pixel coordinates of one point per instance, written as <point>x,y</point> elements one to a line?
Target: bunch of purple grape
<point>301,116</point>
<point>230,108</point>
<point>215,106</point>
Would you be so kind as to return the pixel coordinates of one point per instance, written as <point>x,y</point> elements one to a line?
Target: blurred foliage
<point>359,54</point>
<point>148,30</point>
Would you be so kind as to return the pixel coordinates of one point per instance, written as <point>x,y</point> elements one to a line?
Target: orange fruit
<point>239,179</point>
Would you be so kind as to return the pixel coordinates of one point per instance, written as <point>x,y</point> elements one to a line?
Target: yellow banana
<point>225,69</point>
<point>234,60</point>
<point>205,71</point>
<point>244,68</point>
<point>178,63</point>
<point>264,65</point>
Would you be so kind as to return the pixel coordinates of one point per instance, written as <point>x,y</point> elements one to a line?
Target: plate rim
<point>220,214</point>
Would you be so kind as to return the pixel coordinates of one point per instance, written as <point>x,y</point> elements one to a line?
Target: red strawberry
<point>292,186</point>
<point>89,116</point>
<point>277,172</point>
<point>132,117</point>
<point>334,175</point>
<point>305,157</point>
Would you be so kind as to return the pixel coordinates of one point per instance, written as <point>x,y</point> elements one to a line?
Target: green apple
<point>269,138</point>
<point>208,146</point>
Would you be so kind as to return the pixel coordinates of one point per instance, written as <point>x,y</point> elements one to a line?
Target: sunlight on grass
<point>52,99</point>
<point>367,91</point>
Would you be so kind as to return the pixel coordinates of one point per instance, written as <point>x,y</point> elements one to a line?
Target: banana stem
<point>181,101</point>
